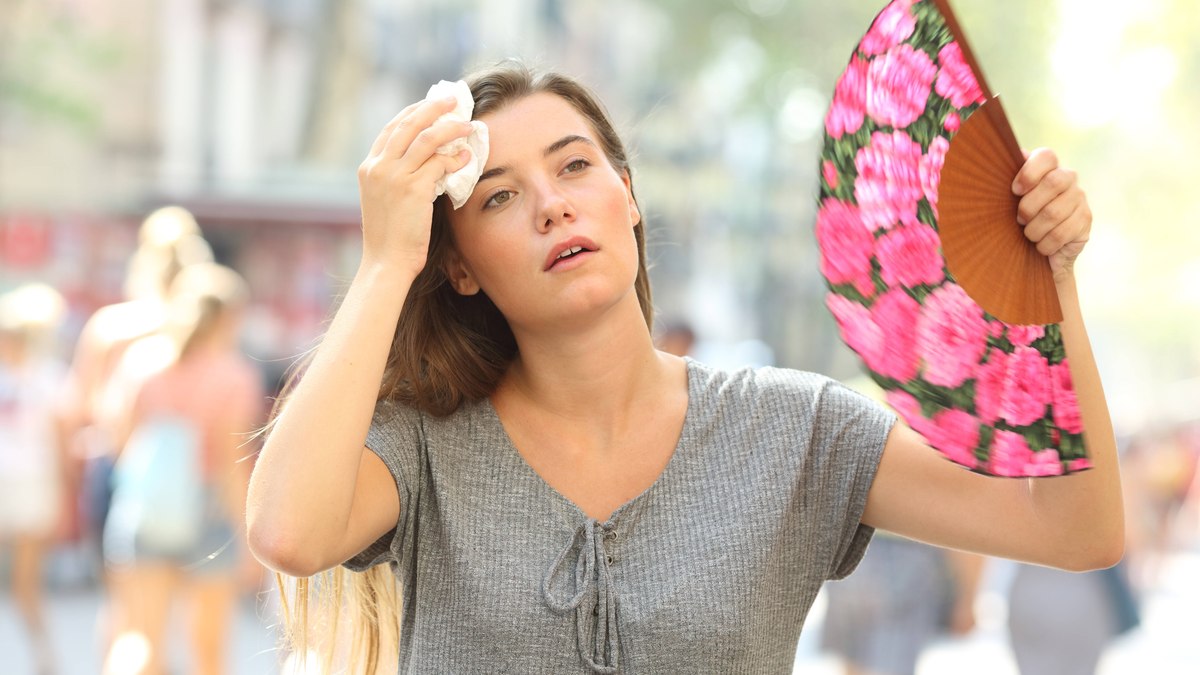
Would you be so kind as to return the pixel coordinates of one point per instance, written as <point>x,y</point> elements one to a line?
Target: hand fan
<point>931,280</point>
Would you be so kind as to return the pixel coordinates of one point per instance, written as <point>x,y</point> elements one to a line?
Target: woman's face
<point>548,232</point>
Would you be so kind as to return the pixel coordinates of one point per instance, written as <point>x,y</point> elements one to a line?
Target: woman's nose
<point>553,208</point>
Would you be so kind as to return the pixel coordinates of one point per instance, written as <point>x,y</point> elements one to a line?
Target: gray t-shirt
<point>711,569</point>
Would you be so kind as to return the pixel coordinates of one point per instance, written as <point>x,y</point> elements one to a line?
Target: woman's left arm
<point>1074,522</point>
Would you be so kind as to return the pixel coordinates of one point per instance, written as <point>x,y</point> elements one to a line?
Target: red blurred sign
<point>24,241</point>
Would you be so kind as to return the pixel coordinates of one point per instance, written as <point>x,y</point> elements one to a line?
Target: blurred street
<point>1165,644</point>
<point>72,617</point>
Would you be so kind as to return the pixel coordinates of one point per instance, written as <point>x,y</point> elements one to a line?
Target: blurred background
<point>254,114</point>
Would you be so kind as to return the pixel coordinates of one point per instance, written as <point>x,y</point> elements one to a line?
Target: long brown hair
<point>448,349</point>
<point>451,348</point>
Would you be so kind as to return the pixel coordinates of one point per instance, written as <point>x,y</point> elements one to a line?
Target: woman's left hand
<point>1053,210</point>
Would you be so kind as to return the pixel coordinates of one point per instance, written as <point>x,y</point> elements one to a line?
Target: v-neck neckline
<point>510,450</point>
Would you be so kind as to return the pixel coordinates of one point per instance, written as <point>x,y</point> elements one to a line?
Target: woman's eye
<point>577,165</point>
<point>497,199</point>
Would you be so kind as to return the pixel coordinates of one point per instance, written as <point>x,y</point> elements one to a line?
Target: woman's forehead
<point>534,122</point>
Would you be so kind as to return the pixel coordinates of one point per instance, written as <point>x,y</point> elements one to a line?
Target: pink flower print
<point>1027,389</point>
<point>1010,454</point>
<point>849,100</point>
<point>955,433</point>
<point>1023,336</point>
<point>995,328</point>
<point>830,174</point>
<point>989,386</point>
<point>888,186</point>
<point>846,246</point>
<point>910,409</point>
<point>893,26</point>
<point>905,404</point>
<point>909,255</point>
<point>931,169</point>
<point>952,122</point>
<point>855,324</point>
<point>1045,463</point>
<point>955,80</point>
<point>951,336</point>
<point>895,316</point>
<point>1066,404</point>
<point>898,85</point>
<point>1079,464</point>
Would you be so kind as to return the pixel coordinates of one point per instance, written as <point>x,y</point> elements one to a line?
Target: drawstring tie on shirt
<point>594,600</point>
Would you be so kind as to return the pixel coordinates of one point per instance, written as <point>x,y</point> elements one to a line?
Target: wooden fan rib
<point>982,170</point>
<point>985,250</point>
<point>986,152</point>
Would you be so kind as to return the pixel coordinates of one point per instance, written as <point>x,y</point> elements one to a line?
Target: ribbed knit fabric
<point>711,569</point>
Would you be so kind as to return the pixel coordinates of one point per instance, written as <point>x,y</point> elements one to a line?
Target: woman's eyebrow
<point>565,141</point>
<point>550,150</point>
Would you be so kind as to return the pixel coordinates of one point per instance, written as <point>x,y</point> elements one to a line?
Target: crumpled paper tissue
<point>461,183</point>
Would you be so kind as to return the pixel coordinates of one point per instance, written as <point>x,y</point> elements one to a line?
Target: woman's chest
<point>524,591</point>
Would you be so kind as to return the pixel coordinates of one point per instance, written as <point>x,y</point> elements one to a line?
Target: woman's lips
<point>561,252</point>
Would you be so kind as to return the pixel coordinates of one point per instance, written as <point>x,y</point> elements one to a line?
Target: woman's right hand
<point>396,184</point>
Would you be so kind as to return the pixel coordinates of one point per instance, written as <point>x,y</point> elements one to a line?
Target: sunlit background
<point>254,114</point>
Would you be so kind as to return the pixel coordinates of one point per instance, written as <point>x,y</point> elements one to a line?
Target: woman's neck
<point>593,372</point>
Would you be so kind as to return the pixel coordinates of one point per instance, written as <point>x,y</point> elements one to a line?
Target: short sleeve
<point>396,437</point>
<point>848,435</point>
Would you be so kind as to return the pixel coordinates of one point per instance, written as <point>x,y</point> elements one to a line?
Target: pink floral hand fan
<point>931,279</point>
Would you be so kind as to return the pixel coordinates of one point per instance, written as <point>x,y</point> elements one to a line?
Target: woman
<point>190,414</point>
<point>34,473</point>
<point>488,415</point>
<point>169,240</point>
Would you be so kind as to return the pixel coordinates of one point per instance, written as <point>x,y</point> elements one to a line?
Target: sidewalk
<point>72,616</point>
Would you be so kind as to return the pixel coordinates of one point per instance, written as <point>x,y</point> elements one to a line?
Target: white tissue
<point>460,184</point>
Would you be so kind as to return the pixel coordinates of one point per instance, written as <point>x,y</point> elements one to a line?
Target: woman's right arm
<point>317,496</point>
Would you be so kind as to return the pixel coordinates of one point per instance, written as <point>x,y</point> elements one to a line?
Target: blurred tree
<point>43,55</point>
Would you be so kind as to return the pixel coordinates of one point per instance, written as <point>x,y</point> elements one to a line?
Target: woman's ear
<point>460,275</point>
<point>634,214</point>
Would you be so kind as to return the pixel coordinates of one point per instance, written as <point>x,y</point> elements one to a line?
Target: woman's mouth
<point>568,251</point>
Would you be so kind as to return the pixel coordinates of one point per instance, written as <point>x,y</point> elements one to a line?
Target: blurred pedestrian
<point>1161,461</point>
<point>32,462</point>
<point>903,596</point>
<point>169,240</point>
<point>175,526</point>
<point>1060,623</point>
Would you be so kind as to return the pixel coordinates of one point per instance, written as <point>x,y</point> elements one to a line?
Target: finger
<point>1073,230</point>
<point>388,128</point>
<point>407,129</point>
<point>437,166</point>
<point>429,140</point>
<point>1057,210</point>
<point>1040,162</point>
<point>1052,185</point>
<point>1054,215</point>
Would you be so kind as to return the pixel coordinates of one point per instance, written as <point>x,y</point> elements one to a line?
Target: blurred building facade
<point>255,114</point>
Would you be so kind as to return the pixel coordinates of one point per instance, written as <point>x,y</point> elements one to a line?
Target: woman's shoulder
<point>754,394</point>
<point>392,411</point>
<point>752,382</point>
